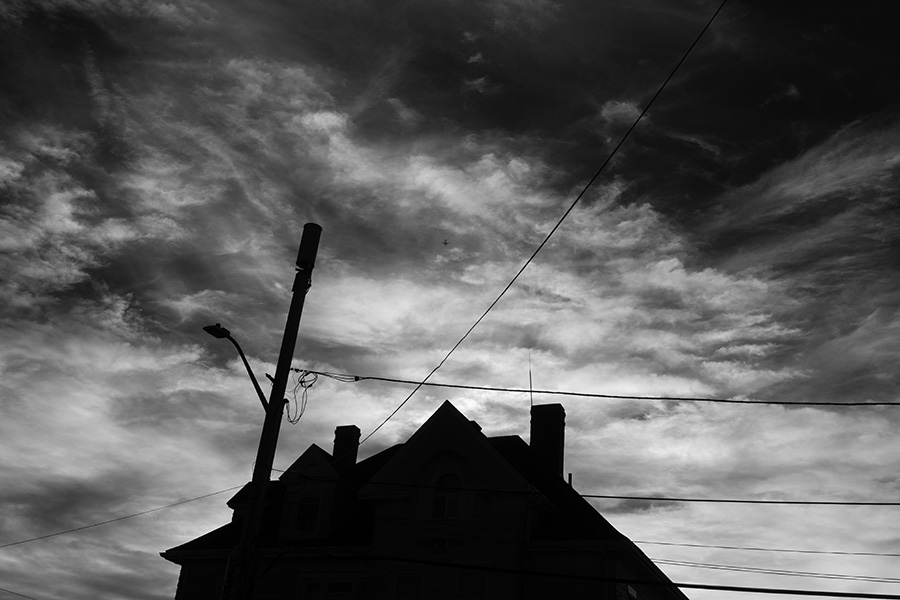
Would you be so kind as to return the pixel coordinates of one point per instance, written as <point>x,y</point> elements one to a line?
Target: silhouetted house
<point>449,514</point>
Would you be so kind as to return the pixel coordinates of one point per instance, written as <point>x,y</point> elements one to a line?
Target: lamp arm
<point>259,392</point>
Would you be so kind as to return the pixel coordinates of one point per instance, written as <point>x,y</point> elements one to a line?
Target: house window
<point>307,515</point>
<point>626,592</point>
<point>446,497</point>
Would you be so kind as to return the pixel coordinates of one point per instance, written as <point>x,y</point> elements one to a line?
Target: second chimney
<point>548,436</point>
<point>346,446</point>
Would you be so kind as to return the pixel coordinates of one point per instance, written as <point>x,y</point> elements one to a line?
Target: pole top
<point>309,246</point>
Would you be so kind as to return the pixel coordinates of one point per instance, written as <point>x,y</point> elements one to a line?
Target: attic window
<point>446,497</point>
<point>307,515</point>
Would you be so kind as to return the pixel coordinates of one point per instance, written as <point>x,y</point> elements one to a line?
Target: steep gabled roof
<point>570,517</point>
<point>313,458</point>
<point>446,432</point>
<point>366,469</point>
<point>573,517</point>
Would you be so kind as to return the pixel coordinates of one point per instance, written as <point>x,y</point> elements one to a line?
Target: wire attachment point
<point>303,380</point>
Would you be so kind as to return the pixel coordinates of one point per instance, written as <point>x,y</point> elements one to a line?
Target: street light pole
<point>238,577</point>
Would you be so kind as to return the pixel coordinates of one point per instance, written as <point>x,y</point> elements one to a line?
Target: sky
<point>158,161</point>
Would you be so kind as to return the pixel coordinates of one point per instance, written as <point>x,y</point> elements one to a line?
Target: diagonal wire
<point>769,571</point>
<point>480,533</point>
<point>131,516</point>
<point>759,549</point>
<point>743,501</point>
<point>17,594</point>
<point>601,578</point>
<point>555,227</point>
<point>531,491</point>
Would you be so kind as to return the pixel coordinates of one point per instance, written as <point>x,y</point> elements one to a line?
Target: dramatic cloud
<point>158,162</point>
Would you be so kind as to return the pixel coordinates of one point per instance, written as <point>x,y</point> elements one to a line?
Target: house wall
<point>201,578</point>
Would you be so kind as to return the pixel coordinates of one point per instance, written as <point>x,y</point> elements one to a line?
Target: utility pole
<point>238,575</point>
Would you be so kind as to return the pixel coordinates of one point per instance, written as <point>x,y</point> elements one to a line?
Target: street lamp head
<point>217,331</point>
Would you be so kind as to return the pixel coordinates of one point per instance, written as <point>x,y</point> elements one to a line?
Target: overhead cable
<point>623,497</point>
<point>744,501</point>
<point>482,528</point>
<point>761,549</point>
<point>696,586</point>
<point>116,519</point>
<point>767,571</point>
<point>305,382</point>
<point>554,228</point>
<point>481,533</point>
<point>17,594</point>
<point>642,582</point>
<point>345,377</point>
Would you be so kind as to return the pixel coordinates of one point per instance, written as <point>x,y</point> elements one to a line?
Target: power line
<point>310,551</point>
<point>761,549</point>
<point>17,594</point>
<point>479,534</point>
<point>419,526</point>
<point>555,227</point>
<point>642,498</point>
<point>696,586</point>
<point>346,377</point>
<point>768,571</point>
<point>482,528</point>
<point>131,516</point>
<point>744,501</point>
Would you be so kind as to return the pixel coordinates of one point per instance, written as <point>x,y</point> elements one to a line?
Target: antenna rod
<point>530,389</point>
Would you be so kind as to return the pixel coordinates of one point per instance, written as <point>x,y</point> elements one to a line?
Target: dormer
<point>443,489</point>
<point>310,496</point>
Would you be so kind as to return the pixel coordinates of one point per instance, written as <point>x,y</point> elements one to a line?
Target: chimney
<point>346,445</point>
<point>548,436</point>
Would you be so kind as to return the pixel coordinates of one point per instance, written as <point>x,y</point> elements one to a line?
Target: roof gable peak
<point>448,432</point>
<point>313,461</point>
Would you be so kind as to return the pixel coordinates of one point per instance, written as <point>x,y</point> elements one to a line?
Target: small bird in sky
<point>445,242</point>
